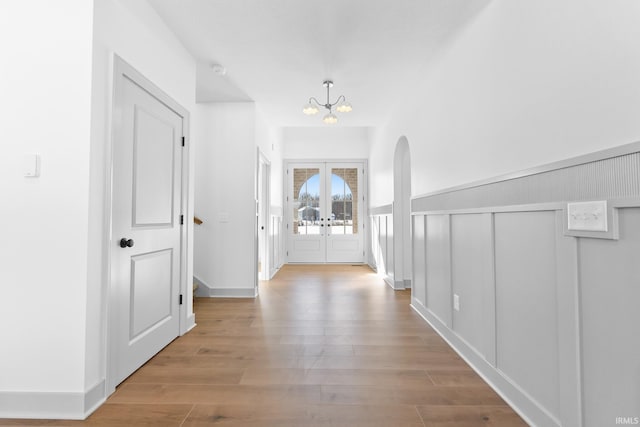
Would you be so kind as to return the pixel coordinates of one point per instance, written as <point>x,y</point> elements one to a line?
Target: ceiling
<point>278,52</point>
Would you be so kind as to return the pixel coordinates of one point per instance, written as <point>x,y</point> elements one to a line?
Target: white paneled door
<point>325,218</point>
<point>146,227</point>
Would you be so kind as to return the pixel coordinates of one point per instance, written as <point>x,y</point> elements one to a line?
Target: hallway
<point>323,345</point>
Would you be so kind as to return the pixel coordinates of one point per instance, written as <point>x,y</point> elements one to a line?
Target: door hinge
<point>181,219</point>
<point>183,141</point>
<point>287,253</point>
<point>287,226</point>
<point>180,299</point>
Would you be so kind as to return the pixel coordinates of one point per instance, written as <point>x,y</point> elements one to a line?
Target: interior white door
<point>325,212</point>
<point>146,227</point>
<point>264,232</point>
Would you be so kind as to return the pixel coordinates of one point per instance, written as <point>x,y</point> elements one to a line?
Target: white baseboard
<point>233,293</point>
<point>274,271</point>
<point>203,289</point>
<point>388,280</point>
<point>52,405</point>
<point>206,291</point>
<point>530,410</point>
<point>191,323</point>
<point>396,285</point>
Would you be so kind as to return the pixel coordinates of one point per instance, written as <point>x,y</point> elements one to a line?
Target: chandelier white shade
<point>310,109</point>
<point>341,105</point>
<point>330,119</point>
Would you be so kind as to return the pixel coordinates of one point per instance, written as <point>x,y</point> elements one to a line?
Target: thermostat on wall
<point>31,165</point>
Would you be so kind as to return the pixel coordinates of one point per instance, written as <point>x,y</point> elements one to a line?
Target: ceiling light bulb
<point>330,119</point>
<point>344,107</point>
<point>310,109</point>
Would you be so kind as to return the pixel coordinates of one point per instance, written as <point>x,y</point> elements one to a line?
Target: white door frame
<point>365,200</point>
<point>402,257</point>
<point>122,70</point>
<point>264,208</point>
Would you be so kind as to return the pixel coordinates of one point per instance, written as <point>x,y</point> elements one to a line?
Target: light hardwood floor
<point>321,346</point>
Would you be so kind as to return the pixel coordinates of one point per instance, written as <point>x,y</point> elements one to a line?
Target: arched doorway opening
<point>402,214</point>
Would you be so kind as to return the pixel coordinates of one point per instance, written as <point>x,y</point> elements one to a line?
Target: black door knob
<point>124,243</point>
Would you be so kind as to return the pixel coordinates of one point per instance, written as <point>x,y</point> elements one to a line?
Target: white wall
<point>132,30</point>
<point>57,103</point>
<point>46,95</point>
<point>269,140</point>
<point>524,83</point>
<point>326,143</point>
<point>225,198</point>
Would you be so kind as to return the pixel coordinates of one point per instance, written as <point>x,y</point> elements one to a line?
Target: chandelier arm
<point>331,118</point>
<point>338,100</point>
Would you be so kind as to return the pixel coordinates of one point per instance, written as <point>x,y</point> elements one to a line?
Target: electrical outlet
<point>587,216</point>
<point>31,165</point>
<point>456,302</point>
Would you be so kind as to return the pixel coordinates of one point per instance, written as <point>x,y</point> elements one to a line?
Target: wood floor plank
<point>469,416</point>
<point>455,378</point>
<point>373,377</point>
<point>389,361</point>
<point>383,415</point>
<point>285,415</point>
<point>207,394</point>
<point>321,346</point>
<point>446,395</point>
<point>185,375</point>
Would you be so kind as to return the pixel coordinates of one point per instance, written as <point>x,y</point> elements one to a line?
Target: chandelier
<point>341,104</point>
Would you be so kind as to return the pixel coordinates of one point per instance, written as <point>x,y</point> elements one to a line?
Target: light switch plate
<point>31,165</point>
<point>456,302</point>
<point>587,216</point>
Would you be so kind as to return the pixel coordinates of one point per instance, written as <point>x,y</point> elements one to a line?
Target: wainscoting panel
<point>472,280</point>
<point>276,241</point>
<point>526,304</point>
<point>390,263</point>
<point>382,244</point>
<point>613,173</point>
<point>549,320</point>
<point>383,260</point>
<point>439,297</point>
<point>418,256</point>
<point>374,252</point>
<point>609,273</point>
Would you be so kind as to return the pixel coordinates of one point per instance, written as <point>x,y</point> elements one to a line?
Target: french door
<point>325,212</point>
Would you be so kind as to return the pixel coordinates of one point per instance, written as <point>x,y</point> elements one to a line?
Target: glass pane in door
<point>306,201</point>
<point>344,196</point>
